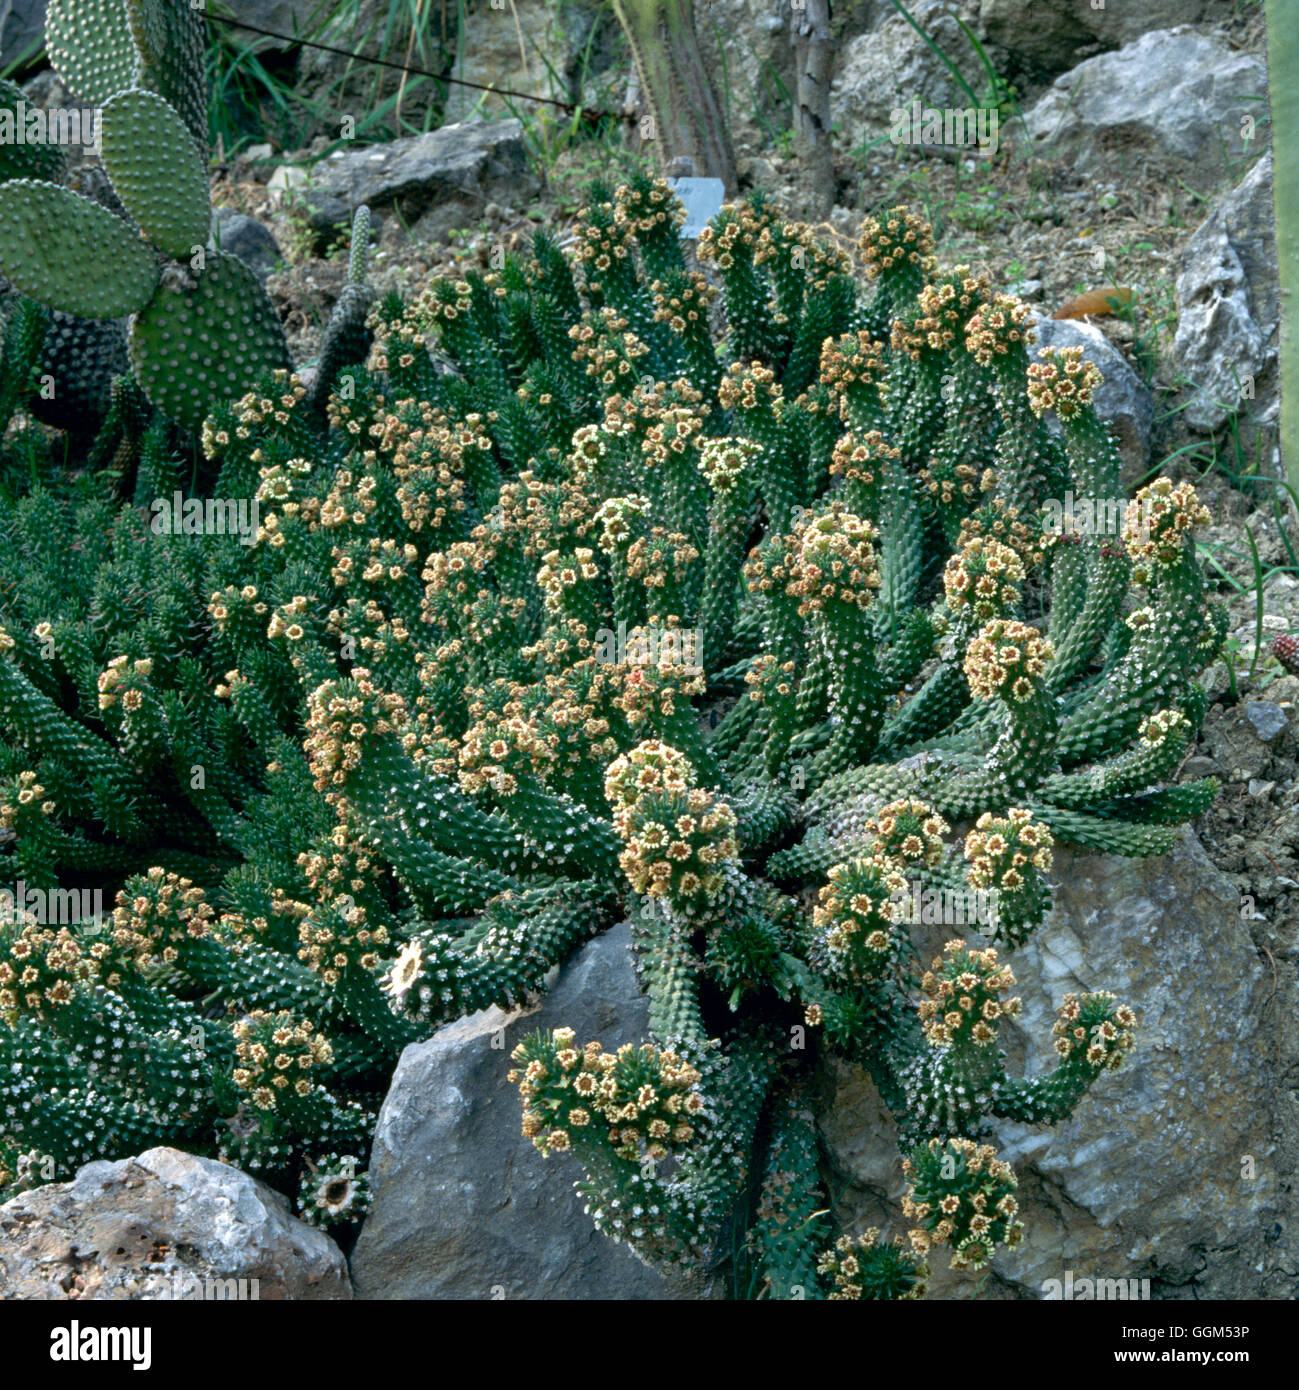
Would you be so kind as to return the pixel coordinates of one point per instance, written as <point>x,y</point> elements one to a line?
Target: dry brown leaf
<point>1102,301</point>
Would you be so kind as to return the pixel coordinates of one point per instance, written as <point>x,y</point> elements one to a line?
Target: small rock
<point>246,238</point>
<point>286,177</point>
<point>1257,788</point>
<point>150,1227</point>
<point>1268,719</point>
<point>1198,767</point>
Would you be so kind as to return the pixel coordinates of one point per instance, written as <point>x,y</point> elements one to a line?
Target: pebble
<point>1268,719</point>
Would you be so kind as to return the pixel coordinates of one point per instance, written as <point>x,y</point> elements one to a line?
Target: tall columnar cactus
<point>599,614</point>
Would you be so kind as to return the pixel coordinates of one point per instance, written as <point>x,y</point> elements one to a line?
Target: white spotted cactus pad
<point>89,43</point>
<point>96,267</point>
<point>210,341</point>
<point>171,55</point>
<point>157,172</point>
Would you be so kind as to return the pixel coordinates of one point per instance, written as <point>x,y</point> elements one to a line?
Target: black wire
<point>586,113</point>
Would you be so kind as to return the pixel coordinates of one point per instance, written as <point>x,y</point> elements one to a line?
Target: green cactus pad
<point>89,43</point>
<point>192,348</point>
<point>171,45</point>
<point>96,267</point>
<point>156,171</point>
<point>81,357</point>
<point>24,161</point>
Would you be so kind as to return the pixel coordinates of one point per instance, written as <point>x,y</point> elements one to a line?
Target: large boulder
<point>893,65</point>
<point>431,181</point>
<point>165,1225</point>
<point>1175,100</point>
<point>1172,1169</point>
<point>463,1206</point>
<point>1045,37</point>
<point>1123,401</point>
<point>1228,304</point>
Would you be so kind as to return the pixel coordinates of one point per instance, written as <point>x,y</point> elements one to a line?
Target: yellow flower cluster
<point>858,459</point>
<point>1000,848</point>
<point>1156,728</point>
<point>944,309</point>
<point>725,461</point>
<point>42,968</point>
<point>909,833</point>
<point>649,767</point>
<point>1006,658</point>
<point>851,360</point>
<point>847,1263</point>
<point>835,562</point>
<point>749,387</point>
<point>273,1054</point>
<point>995,329</point>
<point>973,1211</point>
<point>901,237</point>
<point>1063,381</point>
<point>983,578</point>
<point>607,347</point>
<point>962,1000</point>
<point>1102,1043</point>
<point>335,935</point>
<point>156,913</point>
<point>999,521</point>
<point>689,305</point>
<point>115,683</point>
<point>855,915</point>
<point>677,837</point>
<point>741,228</point>
<point>1160,523</point>
<point>338,722</point>
<point>646,1096</point>
<point>27,793</point>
